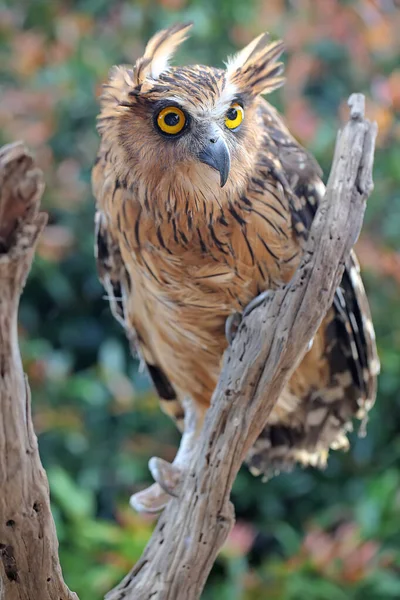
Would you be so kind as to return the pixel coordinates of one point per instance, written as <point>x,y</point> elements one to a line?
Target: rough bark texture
<point>29,566</point>
<point>268,346</point>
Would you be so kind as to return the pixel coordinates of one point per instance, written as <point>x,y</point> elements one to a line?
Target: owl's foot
<point>256,302</point>
<point>151,500</point>
<point>166,474</point>
<point>169,476</point>
<point>234,320</point>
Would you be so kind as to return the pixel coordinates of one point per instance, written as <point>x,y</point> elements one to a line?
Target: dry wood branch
<point>268,346</point>
<point>29,566</point>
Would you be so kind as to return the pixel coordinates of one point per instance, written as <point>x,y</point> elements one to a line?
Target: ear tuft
<point>255,69</point>
<point>159,51</point>
<point>238,60</point>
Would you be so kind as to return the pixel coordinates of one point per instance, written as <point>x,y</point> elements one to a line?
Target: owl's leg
<point>168,476</point>
<point>234,320</point>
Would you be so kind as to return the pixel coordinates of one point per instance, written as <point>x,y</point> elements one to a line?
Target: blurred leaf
<point>75,502</point>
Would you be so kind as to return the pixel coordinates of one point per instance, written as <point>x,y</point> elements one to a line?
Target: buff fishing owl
<point>204,202</point>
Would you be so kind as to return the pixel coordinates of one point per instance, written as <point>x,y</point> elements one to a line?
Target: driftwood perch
<point>269,344</point>
<point>29,566</point>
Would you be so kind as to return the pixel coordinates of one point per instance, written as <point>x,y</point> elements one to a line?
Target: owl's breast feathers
<point>177,259</point>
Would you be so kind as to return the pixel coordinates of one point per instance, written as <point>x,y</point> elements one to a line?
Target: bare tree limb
<point>257,366</point>
<point>29,565</point>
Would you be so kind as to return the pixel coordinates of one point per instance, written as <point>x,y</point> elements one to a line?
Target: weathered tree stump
<point>29,565</point>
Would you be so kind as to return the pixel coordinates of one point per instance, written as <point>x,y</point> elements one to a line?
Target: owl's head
<point>197,123</point>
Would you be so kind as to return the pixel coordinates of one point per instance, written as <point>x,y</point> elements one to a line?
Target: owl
<point>204,202</point>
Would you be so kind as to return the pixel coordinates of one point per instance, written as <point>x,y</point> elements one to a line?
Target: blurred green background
<point>333,535</point>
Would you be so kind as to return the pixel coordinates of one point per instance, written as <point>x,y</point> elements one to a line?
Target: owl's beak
<point>216,155</point>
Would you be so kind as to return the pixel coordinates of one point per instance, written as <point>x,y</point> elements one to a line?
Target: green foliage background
<point>322,536</point>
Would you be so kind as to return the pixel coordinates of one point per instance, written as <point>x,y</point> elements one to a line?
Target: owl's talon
<point>232,325</point>
<point>150,500</point>
<point>256,302</point>
<point>167,475</point>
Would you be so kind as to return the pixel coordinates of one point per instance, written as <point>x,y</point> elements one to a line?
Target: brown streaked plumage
<point>178,253</point>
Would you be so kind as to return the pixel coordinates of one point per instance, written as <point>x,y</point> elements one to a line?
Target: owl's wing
<point>301,174</point>
<point>324,415</point>
<point>115,277</point>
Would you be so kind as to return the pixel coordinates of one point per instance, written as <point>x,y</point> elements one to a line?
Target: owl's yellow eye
<point>171,120</point>
<point>234,116</point>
